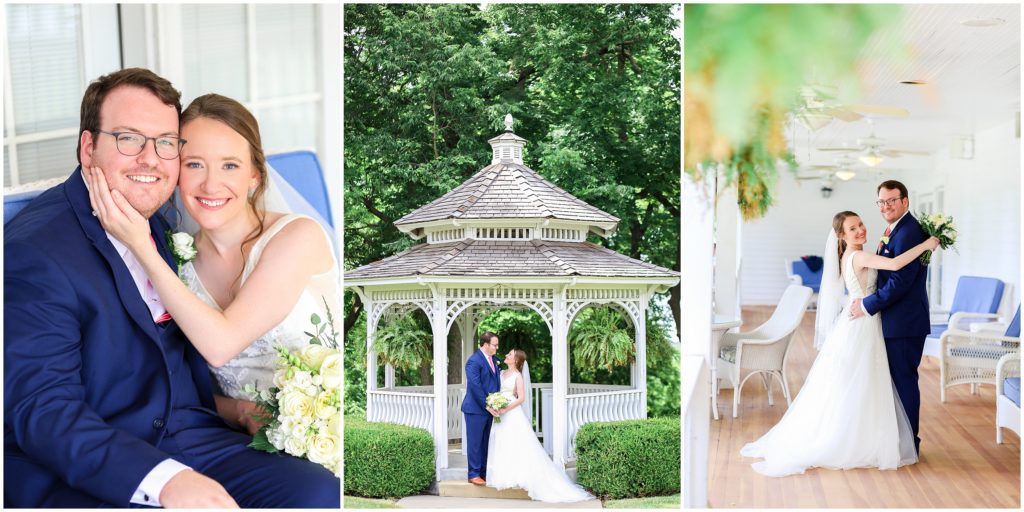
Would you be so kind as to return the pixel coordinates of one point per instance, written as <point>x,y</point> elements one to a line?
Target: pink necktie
<point>490,363</point>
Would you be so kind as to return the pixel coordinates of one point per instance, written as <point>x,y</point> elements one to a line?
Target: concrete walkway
<point>485,503</point>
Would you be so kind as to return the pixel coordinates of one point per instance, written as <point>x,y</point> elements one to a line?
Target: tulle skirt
<point>516,459</point>
<point>847,414</point>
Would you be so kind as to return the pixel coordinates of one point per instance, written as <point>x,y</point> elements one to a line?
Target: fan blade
<point>843,114</point>
<point>903,152</point>
<point>841,148</point>
<point>878,109</point>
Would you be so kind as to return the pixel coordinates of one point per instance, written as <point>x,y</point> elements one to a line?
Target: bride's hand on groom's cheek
<point>115,213</point>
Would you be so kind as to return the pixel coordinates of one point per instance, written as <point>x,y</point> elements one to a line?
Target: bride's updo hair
<point>238,118</point>
<point>837,226</point>
<point>520,357</point>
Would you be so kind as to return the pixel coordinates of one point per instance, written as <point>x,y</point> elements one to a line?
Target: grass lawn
<point>652,502</point>
<point>354,502</point>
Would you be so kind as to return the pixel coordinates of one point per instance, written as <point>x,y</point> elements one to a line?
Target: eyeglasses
<point>131,144</point>
<point>887,202</point>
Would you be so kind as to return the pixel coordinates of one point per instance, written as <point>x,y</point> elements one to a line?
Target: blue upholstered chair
<point>971,357</point>
<point>976,300</point>
<point>13,203</point>
<point>301,169</point>
<point>801,275</point>
<point>1008,394</point>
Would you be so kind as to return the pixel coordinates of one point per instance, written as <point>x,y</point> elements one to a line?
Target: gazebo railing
<point>413,408</point>
<point>602,406</point>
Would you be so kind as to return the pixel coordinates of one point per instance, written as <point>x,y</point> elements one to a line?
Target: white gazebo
<point>505,238</point>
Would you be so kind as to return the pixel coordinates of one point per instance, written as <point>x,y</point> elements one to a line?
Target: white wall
<point>797,225</point>
<point>982,195</point>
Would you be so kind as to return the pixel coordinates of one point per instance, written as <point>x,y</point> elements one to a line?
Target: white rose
<point>295,446</point>
<point>330,371</point>
<point>303,381</point>
<point>334,424</point>
<point>184,245</point>
<point>295,403</point>
<point>280,378</point>
<point>324,449</point>
<point>313,355</point>
<point>323,405</point>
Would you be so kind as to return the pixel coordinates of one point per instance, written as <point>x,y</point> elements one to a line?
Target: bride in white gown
<point>257,275</point>
<point>847,414</point>
<point>514,456</point>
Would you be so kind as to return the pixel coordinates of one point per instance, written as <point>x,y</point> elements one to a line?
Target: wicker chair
<point>976,300</point>
<point>971,357</point>
<point>1008,395</point>
<point>763,351</point>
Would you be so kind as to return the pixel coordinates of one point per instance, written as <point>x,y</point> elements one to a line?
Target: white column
<point>438,323</point>
<point>389,376</point>
<point>728,252</point>
<point>696,313</point>
<point>559,380</point>
<point>641,351</point>
<point>371,356</point>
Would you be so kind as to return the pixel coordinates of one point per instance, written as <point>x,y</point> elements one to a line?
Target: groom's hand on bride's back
<point>189,489</point>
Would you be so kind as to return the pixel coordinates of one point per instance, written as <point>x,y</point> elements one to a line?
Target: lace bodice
<point>859,284</point>
<point>256,364</point>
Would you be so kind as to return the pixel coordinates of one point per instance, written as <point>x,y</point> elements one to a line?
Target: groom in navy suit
<point>902,298</point>
<point>105,401</point>
<point>482,379</point>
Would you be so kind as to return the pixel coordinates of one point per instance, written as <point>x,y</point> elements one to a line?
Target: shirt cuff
<point>149,490</point>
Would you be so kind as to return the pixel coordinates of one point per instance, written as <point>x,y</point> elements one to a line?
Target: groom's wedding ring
<point>94,213</point>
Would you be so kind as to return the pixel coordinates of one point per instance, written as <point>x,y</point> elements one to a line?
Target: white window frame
<point>100,51</point>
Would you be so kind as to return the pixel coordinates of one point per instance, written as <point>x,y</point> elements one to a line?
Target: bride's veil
<point>831,294</point>
<point>528,391</point>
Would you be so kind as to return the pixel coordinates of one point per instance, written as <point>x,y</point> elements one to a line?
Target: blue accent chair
<point>801,275</point>
<point>301,169</point>
<point>976,300</point>
<point>13,203</point>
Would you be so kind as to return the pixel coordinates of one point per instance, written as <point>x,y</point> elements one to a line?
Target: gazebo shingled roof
<point>509,258</point>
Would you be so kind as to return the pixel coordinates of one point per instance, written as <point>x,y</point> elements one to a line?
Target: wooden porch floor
<point>961,465</point>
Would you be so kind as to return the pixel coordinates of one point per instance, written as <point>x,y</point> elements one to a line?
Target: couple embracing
<point>110,337</point>
<point>501,447</point>
<point>859,406</point>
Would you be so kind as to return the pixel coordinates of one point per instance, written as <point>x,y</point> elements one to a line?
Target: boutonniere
<point>885,240</point>
<point>183,248</point>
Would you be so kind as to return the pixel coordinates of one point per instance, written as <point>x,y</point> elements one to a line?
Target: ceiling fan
<point>873,148</point>
<point>817,108</point>
<point>842,170</point>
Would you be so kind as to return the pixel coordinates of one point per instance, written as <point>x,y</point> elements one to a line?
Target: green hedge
<point>384,460</point>
<point>629,459</point>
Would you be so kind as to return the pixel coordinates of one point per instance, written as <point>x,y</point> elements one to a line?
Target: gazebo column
<point>389,377</point>
<point>439,326</point>
<point>467,332</point>
<point>559,379</point>
<point>371,356</point>
<point>640,366</point>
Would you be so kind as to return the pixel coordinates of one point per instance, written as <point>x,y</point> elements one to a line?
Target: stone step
<point>464,489</point>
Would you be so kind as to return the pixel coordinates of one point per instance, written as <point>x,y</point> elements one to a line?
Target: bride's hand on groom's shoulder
<point>115,213</point>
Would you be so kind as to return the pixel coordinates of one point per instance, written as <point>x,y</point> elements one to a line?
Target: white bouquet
<point>940,226</point>
<point>497,401</point>
<point>304,405</point>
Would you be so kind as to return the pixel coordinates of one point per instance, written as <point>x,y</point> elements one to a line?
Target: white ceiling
<point>973,75</point>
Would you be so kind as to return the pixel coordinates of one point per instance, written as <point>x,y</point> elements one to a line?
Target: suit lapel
<point>78,196</point>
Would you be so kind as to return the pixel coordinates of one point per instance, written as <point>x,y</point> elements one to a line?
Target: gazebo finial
<point>508,122</point>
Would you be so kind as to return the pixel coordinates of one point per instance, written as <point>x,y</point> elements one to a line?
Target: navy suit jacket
<point>480,383</point>
<point>87,390</point>
<point>902,296</point>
